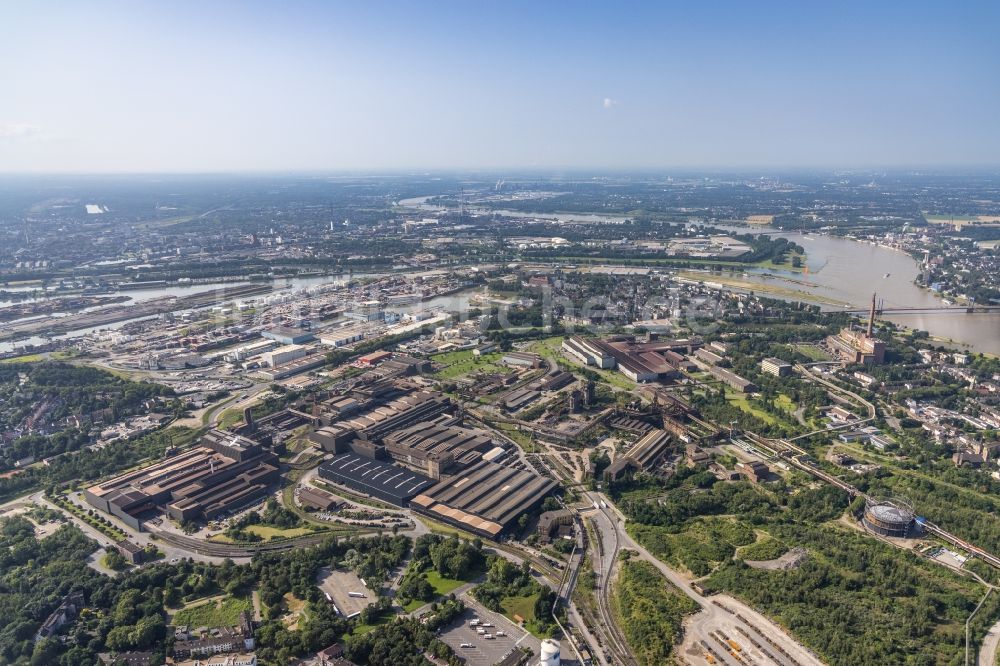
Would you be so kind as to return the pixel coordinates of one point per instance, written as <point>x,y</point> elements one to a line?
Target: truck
<point>596,506</point>
<point>488,637</point>
<point>357,595</point>
<point>604,505</point>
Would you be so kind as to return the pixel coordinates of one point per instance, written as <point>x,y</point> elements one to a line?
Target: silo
<point>550,653</point>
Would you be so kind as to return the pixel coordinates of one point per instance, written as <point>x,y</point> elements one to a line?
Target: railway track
<point>616,639</point>
<point>794,455</point>
<point>232,550</point>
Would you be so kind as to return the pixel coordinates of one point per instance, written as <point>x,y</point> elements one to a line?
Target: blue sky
<point>218,86</point>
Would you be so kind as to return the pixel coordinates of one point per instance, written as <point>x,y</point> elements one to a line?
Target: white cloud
<point>608,102</point>
<point>22,133</point>
<point>19,131</point>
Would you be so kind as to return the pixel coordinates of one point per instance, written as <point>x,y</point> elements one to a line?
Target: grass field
<point>268,532</point>
<point>525,608</point>
<point>413,605</point>
<point>441,584</point>
<point>950,219</point>
<point>223,612</point>
<point>785,404</point>
<point>812,351</point>
<point>462,363</point>
<point>295,611</point>
<point>29,358</point>
<point>229,418</point>
<point>740,400</point>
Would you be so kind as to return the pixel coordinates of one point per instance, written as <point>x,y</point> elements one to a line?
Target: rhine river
<point>842,271</point>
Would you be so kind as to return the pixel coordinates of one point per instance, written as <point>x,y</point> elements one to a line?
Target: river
<point>841,270</point>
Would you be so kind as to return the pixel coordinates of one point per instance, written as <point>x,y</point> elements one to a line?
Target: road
<point>712,618</point>
<point>988,650</point>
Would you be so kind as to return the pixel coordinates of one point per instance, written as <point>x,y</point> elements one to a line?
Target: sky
<point>142,86</point>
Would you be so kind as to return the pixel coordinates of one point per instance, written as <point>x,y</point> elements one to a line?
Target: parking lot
<point>338,584</point>
<point>485,652</point>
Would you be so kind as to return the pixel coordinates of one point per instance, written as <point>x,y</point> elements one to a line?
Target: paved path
<point>988,650</point>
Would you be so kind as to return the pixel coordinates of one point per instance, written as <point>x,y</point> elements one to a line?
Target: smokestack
<point>871,318</point>
<point>248,416</point>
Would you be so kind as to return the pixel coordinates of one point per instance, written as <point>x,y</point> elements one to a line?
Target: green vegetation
<point>741,401</point>
<point>439,565</point>
<point>268,533</point>
<point>90,516</point>
<point>48,392</point>
<point>276,522</point>
<point>404,641</point>
<point>510,589</point>
<point>442,585</point>
<point>115,560</point>
<point>522,607</point>
<point>765,549</point>
<point>27,358</point>
<point>127,612</point>
<point>82,466</point>
<point>854,599</point>
<point>699,547</point>
<point>229,418</point>
<point>650,612</point>
<point>216,612</point>
<point>461,363</point>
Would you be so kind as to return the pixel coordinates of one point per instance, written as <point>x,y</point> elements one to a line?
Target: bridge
<point>943,309</point>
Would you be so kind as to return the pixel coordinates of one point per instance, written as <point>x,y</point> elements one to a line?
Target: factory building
<point>374,358</point>
<point>318,499</point>
<point>434,448</point>
<point>341,337</point>
<point>732,379</point>
<point>590,352</point>
<point>556,381</point>
<point>554,524</point>
<point>639,361</point>
<point>375,419</point>
<point>376,478</point>
<point>222,474</point>
<point>485,499</point>
<point>709,357</point>
<point>521,359</point>
<point>853,346</point>
<point>288,336</point>
<point>644,456</point>
<point>283,355</point>
<point>776,367</point>
<point>399,444</point>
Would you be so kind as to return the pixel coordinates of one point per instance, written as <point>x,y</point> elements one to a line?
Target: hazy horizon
<point>255,88</point>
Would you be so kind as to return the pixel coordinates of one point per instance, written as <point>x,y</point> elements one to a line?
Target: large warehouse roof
<point>375,477</point>
<point>485,498</point>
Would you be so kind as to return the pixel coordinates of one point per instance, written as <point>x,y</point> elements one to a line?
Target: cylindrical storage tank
<point>893,517</point>
<point>550,653</point>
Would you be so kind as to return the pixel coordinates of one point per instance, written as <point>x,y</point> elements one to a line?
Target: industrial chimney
<point>871,318</point>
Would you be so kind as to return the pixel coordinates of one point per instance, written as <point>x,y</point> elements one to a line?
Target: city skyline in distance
<point>315,87</point>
